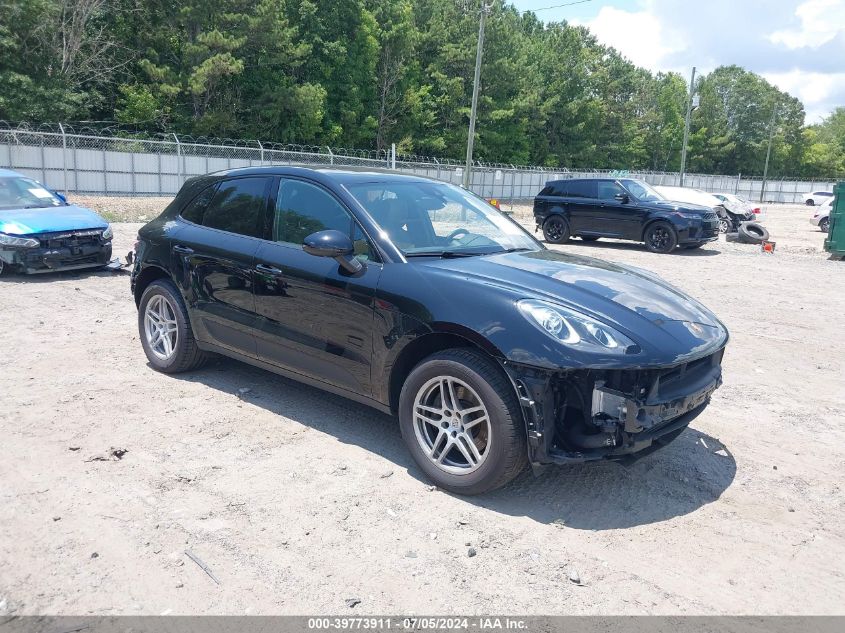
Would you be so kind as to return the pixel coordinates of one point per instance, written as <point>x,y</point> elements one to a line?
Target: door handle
<point>184,250</point>
<point>269,270</point>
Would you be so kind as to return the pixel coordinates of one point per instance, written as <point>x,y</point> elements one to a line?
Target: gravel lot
<point>298,501</point>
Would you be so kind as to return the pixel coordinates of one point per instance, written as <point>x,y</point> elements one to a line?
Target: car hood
<point>672,205</point>
<point>49,220</point>
<point>643,306</point>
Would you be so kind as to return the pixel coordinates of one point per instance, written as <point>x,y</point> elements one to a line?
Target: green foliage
<point>368,73</point>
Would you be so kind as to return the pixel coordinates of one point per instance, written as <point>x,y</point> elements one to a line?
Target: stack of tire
<point>749,233</point>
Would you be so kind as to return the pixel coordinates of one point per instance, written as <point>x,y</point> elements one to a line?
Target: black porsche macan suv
<point>418,298</point>
<point>627,209</point>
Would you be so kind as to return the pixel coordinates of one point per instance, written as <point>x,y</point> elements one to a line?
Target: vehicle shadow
<point>674,481</point>
<point>60,275</point>
<point>603,244</point>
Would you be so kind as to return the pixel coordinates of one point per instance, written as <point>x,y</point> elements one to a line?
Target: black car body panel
<point>275,306</point>
<point>591,215</point>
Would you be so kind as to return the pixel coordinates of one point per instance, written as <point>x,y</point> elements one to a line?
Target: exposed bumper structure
<point>585,415</point>
<point>69,250</point>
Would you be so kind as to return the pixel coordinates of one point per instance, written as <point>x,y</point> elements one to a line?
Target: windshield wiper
<point>445,254</point>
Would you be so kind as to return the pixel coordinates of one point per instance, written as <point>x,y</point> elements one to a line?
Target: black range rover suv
<point>624,209</point>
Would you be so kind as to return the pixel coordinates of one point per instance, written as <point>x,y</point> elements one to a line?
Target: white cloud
<point>798,45</point>
<point>815,90</point>
<point>821,21</point>
<point>638,35</point>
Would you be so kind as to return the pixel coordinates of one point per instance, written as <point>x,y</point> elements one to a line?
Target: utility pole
<point>478,53</point>
<point>768,152</point>
<point>686,127</point>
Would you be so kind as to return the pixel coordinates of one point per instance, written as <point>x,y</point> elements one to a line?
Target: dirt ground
<point>298,501</point>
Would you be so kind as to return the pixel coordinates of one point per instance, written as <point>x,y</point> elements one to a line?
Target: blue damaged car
<point>40,232</point>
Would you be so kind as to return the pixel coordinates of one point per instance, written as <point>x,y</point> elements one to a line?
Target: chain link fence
<point>111,162</point>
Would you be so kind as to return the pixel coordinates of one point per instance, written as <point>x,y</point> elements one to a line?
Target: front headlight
<point>20,242</point>
<point>576,329</point>
<point>689,216</point>
<point>107,234</point>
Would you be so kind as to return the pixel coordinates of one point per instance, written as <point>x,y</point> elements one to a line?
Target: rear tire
<point>476,391</point>
<point>810,203</point>
<point>556,229</point>
<point>661,237</point>
<point>824,227</point>
<point>165,330</point>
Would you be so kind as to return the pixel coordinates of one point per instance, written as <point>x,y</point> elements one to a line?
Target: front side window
<point>303,208</point>
<point>23,193</point>
<point>608,190</point>
<point>238,206</point>
<point>429,218</point>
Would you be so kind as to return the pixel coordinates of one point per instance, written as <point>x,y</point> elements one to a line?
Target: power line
<point>558,6</point>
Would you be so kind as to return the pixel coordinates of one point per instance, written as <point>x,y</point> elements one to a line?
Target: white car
<point>690,196</point>
<point>821,218</point>
<point>817,197</point>
<point>740,206</point>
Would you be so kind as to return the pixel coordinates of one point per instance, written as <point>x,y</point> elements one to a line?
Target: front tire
<point>461,421</point>
<point>556,229</point>
<point>661,237</point>
<point>165,330</point>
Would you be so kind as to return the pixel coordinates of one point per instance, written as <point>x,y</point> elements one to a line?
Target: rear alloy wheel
<point>660,237</point>
<point>824,225</point>
<point>462,423</point>
<point>556,229</point>
<point>165,330</point>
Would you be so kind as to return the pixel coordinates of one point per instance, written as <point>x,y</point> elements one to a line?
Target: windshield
<point>642,191</point>
<point>23,193</point>
<point>429,218</point>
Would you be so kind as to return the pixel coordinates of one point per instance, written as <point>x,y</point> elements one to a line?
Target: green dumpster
<point>835,242</point>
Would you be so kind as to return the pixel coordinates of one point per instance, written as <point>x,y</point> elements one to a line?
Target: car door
<point>214,254</point>
<point>581,204</point>
<point>316,319</point>
<point>619,217</point>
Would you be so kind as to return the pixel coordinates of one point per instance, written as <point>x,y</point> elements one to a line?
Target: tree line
<point>368,73</point>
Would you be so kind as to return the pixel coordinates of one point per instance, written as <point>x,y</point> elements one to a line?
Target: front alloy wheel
<point>451,425</point>
<point>661,238</point>
<point>462,423</point>
<point>724,225</point>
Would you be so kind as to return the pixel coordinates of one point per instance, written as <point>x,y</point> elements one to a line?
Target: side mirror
<point>333,244</point>
<point>624,198</point>
<point>59,196</point>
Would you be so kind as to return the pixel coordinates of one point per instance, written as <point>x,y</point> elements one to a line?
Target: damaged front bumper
<point>59,251</point>
<point>584,415</point>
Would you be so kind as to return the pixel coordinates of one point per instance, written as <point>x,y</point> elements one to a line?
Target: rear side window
<point>582,189</point>
<point>561,189</point>
<point>238,206</point>
<point>196,208</point>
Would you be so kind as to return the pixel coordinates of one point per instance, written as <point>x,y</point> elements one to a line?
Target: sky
<point>797,45</point>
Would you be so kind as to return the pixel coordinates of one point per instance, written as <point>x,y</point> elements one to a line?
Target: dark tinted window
<point>581,189</point>
<point>196,208</point>
<point>607,190</point>
<point>561,189</point>
<point>238,206</point>
<point>303,208</point>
